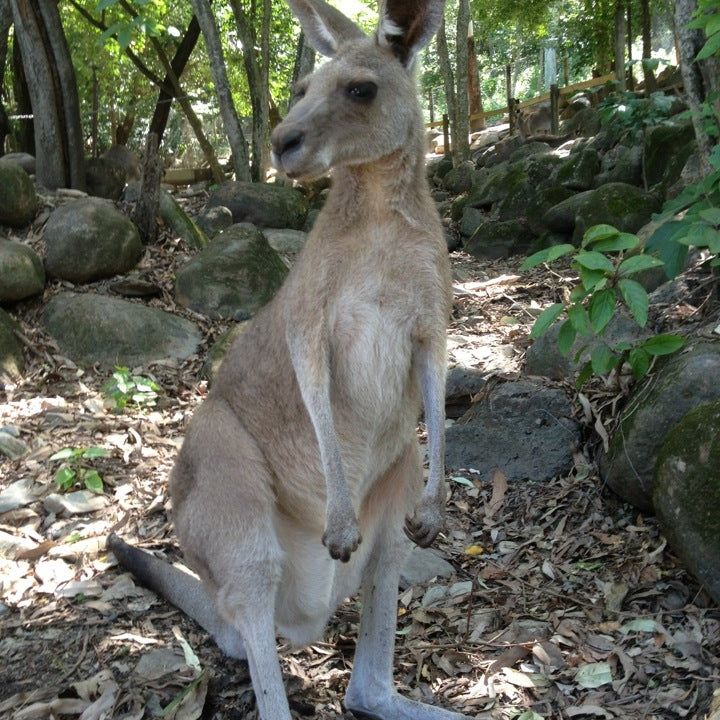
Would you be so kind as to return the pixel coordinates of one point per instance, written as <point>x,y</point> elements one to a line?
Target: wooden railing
<point>566,90</point>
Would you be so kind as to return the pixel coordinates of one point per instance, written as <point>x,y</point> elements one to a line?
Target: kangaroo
<point>307,437</point>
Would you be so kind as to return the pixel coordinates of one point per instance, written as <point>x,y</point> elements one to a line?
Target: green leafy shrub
<point>76,471</point>
<point>633,114</point>
<point>605,271</point>
<point>124,389</point>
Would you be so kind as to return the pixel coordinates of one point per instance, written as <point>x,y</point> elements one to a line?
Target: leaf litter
<point>564,603</point>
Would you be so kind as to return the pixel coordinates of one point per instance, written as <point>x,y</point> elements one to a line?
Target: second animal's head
<point>362,105</point>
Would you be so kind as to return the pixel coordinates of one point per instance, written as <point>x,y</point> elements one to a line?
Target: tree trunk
<point>5,23</point>
<point>648,74</point>
<point>26,133</point>
<point>448,80</point>
<point>461,146</point>
<point>257,83</point>
<point>698,86</point>
<point>620,45</point>
<point>304,59</point>
<point>180,59</point>
<point>629,37</point>
<point>146,210</point>
<point>231,123</point>
<point>474,92</point>
<point>59,141</point>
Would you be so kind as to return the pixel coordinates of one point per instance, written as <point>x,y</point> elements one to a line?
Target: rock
<point>524,429</point>
<point>667,148</point>
<point>686,380</point>
<point>12,361</point>
<point>472,219</point>
<point>579,170</point>
<point>421,566</point>
<point>89,239</point>
<point>544,359</point>
<point>438,168</point>
<point>460,386</point>
<point>179,222</point>
<point>135,287</point>
<point>585,123</point>
<point>529,149</point>
<point>103,179</point>
<point>16,495</point>
<point>214,220</point>
<point>621,164</point>
<point>498,153</point>
<point>452,239</point>
<point>18,201</point>
<point>22,273</point>
<point>624,206</point>
<point>75,503</point>
<point>686,493</point>
<point>272,206</point>
<point>460,179</point>
<point>286,242</point>
<point>233,277</point>
<point>24,160</point>
<point>123,160</point>
<point>12,447</point>
<point>310,220</point>
<point>490,186</point>
<point>92,328</point>
<point>493,239</point>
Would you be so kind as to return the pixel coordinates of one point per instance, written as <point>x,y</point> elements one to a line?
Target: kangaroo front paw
<point>425,524</point>
<point>341,539</point>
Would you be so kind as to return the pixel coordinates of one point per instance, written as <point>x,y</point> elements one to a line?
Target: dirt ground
<point>565,602</point>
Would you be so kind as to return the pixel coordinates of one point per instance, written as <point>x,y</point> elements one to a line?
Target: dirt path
<point>565,603</point>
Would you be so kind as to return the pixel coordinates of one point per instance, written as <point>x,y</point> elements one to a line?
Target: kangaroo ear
<point>406,26</point>
<point>323,25</point>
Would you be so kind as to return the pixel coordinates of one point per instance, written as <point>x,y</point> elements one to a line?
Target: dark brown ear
<point>323,25</point>
<point>406,26</point>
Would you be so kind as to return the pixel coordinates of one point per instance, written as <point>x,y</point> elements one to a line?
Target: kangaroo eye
<point>362,92</point>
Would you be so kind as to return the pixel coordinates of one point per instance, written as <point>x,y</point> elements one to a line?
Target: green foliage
<point>605,284</point>
<point>707,18</point>
<point>76,471</point>
<point>124,389</point>
<point>633,114</point>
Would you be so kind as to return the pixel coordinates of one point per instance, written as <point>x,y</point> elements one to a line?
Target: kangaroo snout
<point>287,147</point>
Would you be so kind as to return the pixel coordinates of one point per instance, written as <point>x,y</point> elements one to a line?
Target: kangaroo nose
<point>284,142</point>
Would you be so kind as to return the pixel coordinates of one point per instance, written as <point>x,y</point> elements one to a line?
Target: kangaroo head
<point>362,104</point>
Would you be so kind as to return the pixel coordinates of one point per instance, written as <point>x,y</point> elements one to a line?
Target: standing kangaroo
<point>307,437</point>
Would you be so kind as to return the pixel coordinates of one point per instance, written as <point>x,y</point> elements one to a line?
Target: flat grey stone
<point>422,565</point>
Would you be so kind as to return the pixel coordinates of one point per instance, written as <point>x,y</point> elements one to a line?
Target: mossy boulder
<point>578,171</point>
<point>490,186</point>
<point>499,239</point>
<point>18,200</point>
<point>264,205</point>
<point>460,179</point>
<point>91,328</point>
<point>233,277</point>
<point>666,149</point>
<point>621,164</point>
<point>584,123</point>
<point>686,494</point>
<point>12,362</point>
<point>21,271</point>
<point>686,381</point>
<point>219,350</point>
<point>89,239</point>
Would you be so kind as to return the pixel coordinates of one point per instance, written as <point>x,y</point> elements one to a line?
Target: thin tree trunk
<point>474,92</point>
<point>5,23</point>
<point>448,80</point>
<point>690,42</point>
<point>620,45</point>
<point>231,123</point>
<point>630,74</point>
<point>51,84</point>
<point>648,74</point>
<point>461,146</point>
<point>146,210</point>
<point>304,62</point>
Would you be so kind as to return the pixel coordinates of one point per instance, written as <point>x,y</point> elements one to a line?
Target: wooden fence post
<point>431,104</point>
<point>446,134</point>
<point>554,109</point>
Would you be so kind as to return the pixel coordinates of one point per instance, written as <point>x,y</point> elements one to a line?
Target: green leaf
<point>95,452</point>
<point>546,318</point>
<point>591,278</point>
<point>710,48</point>
<point>594,675</point>
<point>603,359</point>
<point>637,263</point>
<point>636,298</point>
<point>645,625</point>
<point>711,215</point>
<point>566,337</point>
<point>664,241</point>
<point>579,319</point>
<point>599,232</point>
<point>63,454</point>
<point>624,241</point>
<point>93,481</point>
<point>639,362</point>
<point>664,344</point>
<point>547,255</point>
<point>594,261</point>
<point>601,309</point>
<point>584,375</point>
<point>65,478</point>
